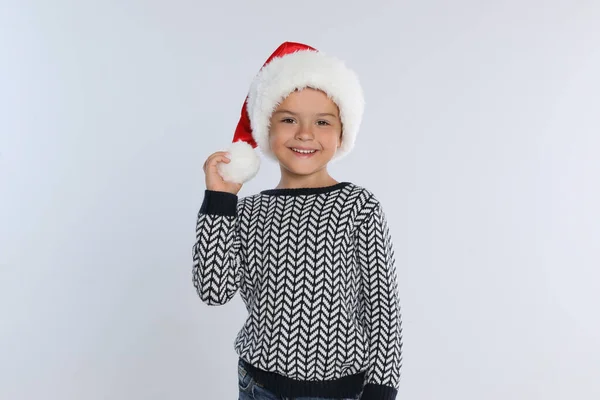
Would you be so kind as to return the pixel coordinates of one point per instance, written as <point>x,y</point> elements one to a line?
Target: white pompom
<point>244,164</point>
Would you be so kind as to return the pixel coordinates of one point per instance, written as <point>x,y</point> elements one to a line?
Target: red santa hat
<point>293,66</point>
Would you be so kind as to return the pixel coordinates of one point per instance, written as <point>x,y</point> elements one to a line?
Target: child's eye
<point>323,123</point>
<point>287,120</point>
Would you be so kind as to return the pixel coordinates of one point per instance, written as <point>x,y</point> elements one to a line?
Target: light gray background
<point>481,139</point>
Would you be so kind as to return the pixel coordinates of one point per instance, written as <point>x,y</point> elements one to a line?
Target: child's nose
<point>305,132</point>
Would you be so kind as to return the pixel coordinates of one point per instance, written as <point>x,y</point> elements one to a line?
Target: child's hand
<point>214,181</point>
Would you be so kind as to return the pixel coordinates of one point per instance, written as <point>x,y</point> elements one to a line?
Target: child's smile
<point>303,153</point>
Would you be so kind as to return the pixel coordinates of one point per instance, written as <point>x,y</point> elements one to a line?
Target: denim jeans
<point>252,390</point>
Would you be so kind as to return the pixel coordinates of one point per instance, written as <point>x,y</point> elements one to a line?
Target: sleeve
<point>379,309</point>
<point>216,253</point>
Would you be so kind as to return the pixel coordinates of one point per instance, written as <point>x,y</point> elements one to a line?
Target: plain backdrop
<point>481,139</point>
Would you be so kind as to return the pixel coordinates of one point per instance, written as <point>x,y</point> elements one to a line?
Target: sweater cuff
<point>219,203</point>
<point>373,391</point>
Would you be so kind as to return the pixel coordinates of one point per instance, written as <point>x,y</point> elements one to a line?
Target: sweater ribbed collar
<point>304,191</point>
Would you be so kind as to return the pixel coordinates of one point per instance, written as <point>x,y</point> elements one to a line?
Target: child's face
<point>306,119</point>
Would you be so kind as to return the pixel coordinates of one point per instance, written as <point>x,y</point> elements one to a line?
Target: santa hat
<point>292,66</point>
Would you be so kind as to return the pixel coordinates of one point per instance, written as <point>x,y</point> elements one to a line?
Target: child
<point>312,259</point>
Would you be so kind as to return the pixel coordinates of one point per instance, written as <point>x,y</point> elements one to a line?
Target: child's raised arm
<point>380,305</point>
<point>216,253</point>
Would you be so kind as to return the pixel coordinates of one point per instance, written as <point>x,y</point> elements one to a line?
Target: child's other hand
<point>214,181</point>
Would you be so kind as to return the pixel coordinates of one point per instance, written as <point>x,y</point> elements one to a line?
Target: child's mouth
<point>303,153</point>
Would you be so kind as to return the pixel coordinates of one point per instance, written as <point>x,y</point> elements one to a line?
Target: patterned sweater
<point>315,268</point>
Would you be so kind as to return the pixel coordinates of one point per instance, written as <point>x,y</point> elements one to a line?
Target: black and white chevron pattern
<point>317,275</point>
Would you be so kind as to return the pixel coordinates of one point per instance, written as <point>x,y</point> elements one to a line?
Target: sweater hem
<point>344,387</point>
<point>374,391</point>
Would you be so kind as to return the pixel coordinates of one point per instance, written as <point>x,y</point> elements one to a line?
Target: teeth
<point>304,151</point>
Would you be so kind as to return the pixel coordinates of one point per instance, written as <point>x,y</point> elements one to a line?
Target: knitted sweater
<point>315,268</point>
